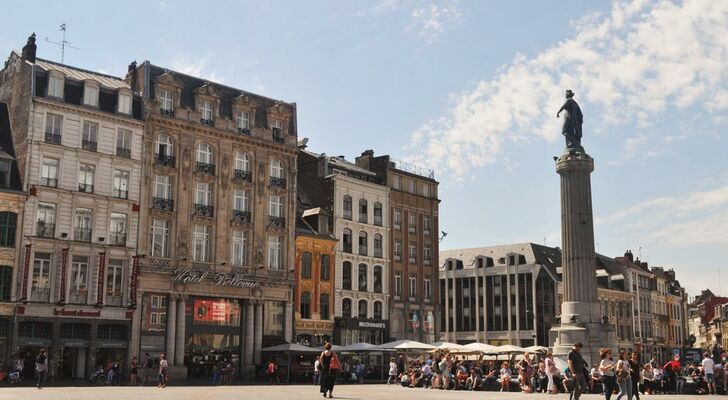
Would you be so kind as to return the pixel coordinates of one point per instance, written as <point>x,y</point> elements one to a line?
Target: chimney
<point>29,49</point>
<point>302,144</point>
<point>364,161</point>
<point>670,274</point>
<point>131,75</point>
<point>628,255</point>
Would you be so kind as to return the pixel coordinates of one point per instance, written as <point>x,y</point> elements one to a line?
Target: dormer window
<point>5,173</point>
<point>206,112</point>
<point>244,122</point>
<point>55,85</point>
<point>91,94</point>
<point>166,102</point>
<point>124,103</point>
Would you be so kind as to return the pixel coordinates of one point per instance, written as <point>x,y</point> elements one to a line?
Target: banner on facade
<point>102,273</point>
<point>64,261</point>
<point>26,269</point>
<point>212,311</point>
<point>133,281</point>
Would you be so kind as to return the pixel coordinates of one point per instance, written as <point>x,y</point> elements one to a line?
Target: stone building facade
<point>78,136</point>
<point>638,279</point>
<point>217,222</point>
<point>413,246</point>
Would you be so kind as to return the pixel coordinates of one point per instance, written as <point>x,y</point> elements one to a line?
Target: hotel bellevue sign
<point>190,277</point>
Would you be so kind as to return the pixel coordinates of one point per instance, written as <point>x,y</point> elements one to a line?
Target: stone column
<point>448,330</point>
<point>289,321</point>
<point>180,338</point>
<point>171,329</point>
<point>136,324</point>
<point>247,333</point>
<point>258,332</point>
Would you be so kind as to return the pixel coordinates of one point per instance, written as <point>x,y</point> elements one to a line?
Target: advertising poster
<point>212,311</point>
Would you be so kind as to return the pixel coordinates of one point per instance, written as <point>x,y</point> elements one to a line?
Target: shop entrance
<point>204,351</point>
<point>72,363</point>
<point>27,355</point>
<point>105,356</point>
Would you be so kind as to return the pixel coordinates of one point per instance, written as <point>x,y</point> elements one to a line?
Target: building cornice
<point>95,113</point>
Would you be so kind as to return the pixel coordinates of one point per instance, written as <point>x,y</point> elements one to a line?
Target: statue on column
<point>573,119</point>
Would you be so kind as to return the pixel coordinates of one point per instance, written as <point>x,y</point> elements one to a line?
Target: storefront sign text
<point>187,276</point>
<point>376,325</point>
<point>76,313</point>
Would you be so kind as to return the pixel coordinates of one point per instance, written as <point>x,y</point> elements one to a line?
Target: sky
<point>469,89</point>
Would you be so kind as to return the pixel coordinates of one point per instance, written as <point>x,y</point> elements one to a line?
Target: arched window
<point>347,207</point>
<point>346,240</point>
<point>324,306</point>
<point>363,211</point>
<point>378,246</point>
<point>362,277</point>
<point>325,267</point>
<point>306,305</point>
<point>363,309</point>
<point>276,169</point>
<point>306,265</point>
<point>242,163</point>
<point>377,310</point>
<point>346,308</point>
<point>8,228</point>
<point>378,214</point>
<point>346,275</point>
<point>363,243</point>
<point>164,145</point>
<point>377,279</point>
<point>204,154</point>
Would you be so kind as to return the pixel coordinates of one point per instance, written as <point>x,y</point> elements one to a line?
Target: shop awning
<point>356,347</point>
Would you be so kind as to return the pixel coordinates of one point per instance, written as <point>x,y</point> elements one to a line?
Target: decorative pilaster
<point>258,332</point>
<point>179,351</point>
<point>171,329</point>
<point>248,333</point>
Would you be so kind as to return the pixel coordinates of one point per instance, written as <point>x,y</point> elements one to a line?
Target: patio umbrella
<point>289,348</point>
<point>355,348</point>
<point>404,345</point>
<point>537,350</point>
<point>483,348</point>
<point>449,346</point>
<point>510,349</point>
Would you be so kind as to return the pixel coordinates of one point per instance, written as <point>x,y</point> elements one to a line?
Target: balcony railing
<point>363,218</point>
<point>278,135</point>
<point>277,182</point>
<point>78,296</point>
<point>82,234</point>
<point>412,229</point>
<point>40,294</point>
<point>123,152</point>
<point>426,231</point>
<point>362,250</point>
<point>160,203</point>
<point>277,222</point>
<point>427,261</point>
<point>85,187</point>
<point>206,168</point>
<point>244,131</point>
<point>167,112</point>
<point>412,260</point>
<point>378,220</point>
<point>164,159</point>
<point>122,194</point>
<point>50,182</point>
<point>204,210</point>
<point>52,138</point>
<point>43,229</point>
<point>242,175</point>
<point>377,252</point>
<point>112,300</point>
<point>397,257</point>
<point>89,145</point>
<point>347,214</point>
<point>398,226</point>
<point>207,122</point>
<point>117,239</point>
<point>241,216</point>
<point>347,247</point>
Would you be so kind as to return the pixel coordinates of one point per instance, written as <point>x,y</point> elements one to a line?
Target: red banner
<point>26,270</point>
<point>212,311</point>
<point>64,261</point>
<point>100,286</point>
<point>133,281</point>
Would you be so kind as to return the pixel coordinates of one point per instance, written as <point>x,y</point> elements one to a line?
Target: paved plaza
<point>282,392</point>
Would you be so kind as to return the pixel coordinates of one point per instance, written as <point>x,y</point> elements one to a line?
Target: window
<point>426,224</point>
<point>160,238</point>
<point>378,251</point>
<point>306,305</point>
<point>240,200</point>
<point>427,254</point>
<point>205,111</point>
<point>204,154</point>
<point>242,163</point>
<point>123,143</point>
<point>397,283</point>
<point>82,225</point>
<point>203,194</point>
<point>346,275</point>
<point>325,267</point>
<point>397,219</point>
<point>412,218</point>
<point>397,182</point>
<point>347,207</point>
<point>166,101</point>
<point>363,309</point>
<point>412,252</point>
<point>275,206</point>
<point>277,130</point>
<point>240,248</point>
<point>78,290</point>
<point>201,243</point>
<point>55,85</point>
<point>46,221</point>
<point>362,277</point>
<point>347,240</point>
<point>49,172</point>
<point>398,249</point>
<point>377,279</point>
<point>378,214</point>
<point>117,230</point>
<point>276,169</point>
<point>274,252</point>
<point>346,308</point>
<point>412,186</point>
<point>324,306</point>
<point>427,289</point>
<point>306,265</point>
<point>164,146</point>
<point>124,103</point>
<point>5,173</point>
<point>244,122</point>
<point>40,285</point>
<point>412,285</point>
<point>363,243</point>
<point>6,282</point>
<point>377,310</point>
<point>121,184</point>
<point>91,95</point>
<point>86,174</point>
<point>54,125</point>
<point>162,187</point>
<point>114,282</point>
<point>8,228</point>
<point>363,214</point>
<point>89,136</point>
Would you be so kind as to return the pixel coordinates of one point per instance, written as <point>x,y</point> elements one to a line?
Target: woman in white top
<point>624,381</point>
<point>163,365</point>
<point>550,371</point>
<point>606,370</point>
<point>392,371</point>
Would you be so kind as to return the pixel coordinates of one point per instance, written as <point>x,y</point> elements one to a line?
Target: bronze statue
<point>573,119</point>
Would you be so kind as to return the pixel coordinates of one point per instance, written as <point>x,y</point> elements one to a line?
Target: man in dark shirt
<point>635,367</point>
<point>577,367</point>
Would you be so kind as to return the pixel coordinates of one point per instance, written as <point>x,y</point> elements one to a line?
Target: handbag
<point>334,364</point>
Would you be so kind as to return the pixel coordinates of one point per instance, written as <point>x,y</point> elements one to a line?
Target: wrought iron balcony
<point>123,152</point>
<point>164,159</point>
<point>363,218</point>
<point>412,229</point>
<point>167,112</point>
<point>426,231</point>
<point>278,182</point>
<point>46,230</point>
<point>122,194</point>
<point>89,145</point>
<point>207,122</point>
<point>347,214</point>
<point>244,131</point>
<point>117,239</point>
<point>50,182</point>
<point>82,234</point>
<point>52,138</point>
<point>206,168</point>
<point>428,261</point>
<point>112,300</point>
<point>278,136</point>
<point>412,260</point>
<point>204,210</point>
<point>276,222</point>
<point>378,220</point>
<point>397,257</point>
<point>362,250</point>
<point>241,216</point>
<point>242,175</point>
<point>160,203</point>
<point>377,252</point>
<point>85,187</point>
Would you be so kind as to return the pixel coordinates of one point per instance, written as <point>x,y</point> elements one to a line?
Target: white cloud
<point>431,20</point>
<point>195,66</point>
<point>628,66</point>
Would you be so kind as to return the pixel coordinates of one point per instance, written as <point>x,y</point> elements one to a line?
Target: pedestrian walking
<point>392,371</point>
<point>606,369</point>
<point>272,372</point>
<point>330,367</point>
<point>134,372</point>
<point>635,374</point>
<point>317,372</point>
<point>577,368</point>
<point>550,371</point>
<point>624,380</point>
<point>708,369</point>
<point>162,375</point>
<point>41,367</point>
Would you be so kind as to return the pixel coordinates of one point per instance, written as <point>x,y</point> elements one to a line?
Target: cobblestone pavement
<point>282,392</point>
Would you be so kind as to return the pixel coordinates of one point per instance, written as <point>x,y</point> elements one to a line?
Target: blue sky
<point>470,88</point>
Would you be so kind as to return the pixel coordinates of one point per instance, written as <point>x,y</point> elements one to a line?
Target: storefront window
<point>222,312</point>
<point>274,317</point>
<point>154,313</point>
<point>363,306</point>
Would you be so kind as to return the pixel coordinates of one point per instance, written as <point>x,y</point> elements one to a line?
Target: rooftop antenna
<point>63,43</point>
